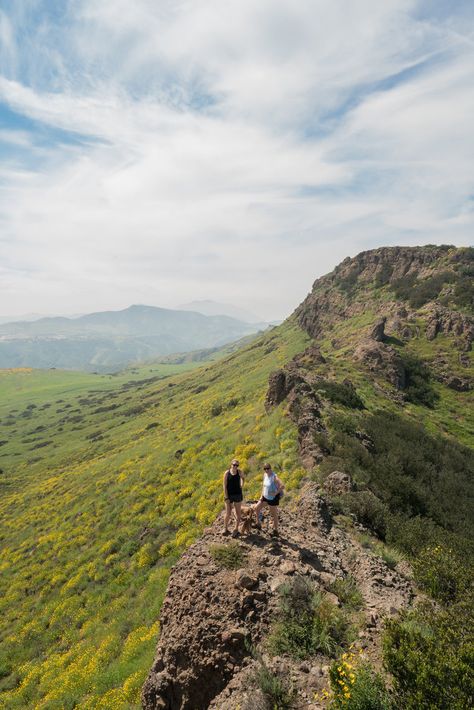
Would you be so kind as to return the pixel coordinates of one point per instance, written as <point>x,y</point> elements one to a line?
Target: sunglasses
<point>266,468</point>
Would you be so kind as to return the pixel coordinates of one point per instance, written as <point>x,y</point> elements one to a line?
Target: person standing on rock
<point>233,483</point>
<point>271,494</point>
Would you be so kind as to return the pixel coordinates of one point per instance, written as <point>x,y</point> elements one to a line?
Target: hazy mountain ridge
<point>112,339</point>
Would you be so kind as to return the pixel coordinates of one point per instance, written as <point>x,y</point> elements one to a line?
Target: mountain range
<point>109,340</point>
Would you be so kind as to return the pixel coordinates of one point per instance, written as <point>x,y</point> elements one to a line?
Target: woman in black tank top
<point>233,482</point>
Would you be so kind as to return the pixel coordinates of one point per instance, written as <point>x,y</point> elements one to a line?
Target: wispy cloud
<point>227,150</point>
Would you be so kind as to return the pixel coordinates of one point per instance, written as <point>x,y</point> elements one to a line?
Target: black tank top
<point>233,483</point>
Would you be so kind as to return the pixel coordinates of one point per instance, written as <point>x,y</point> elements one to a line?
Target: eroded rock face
<point>211,615</point>
<point>443,320</point>
<point>382,359</point>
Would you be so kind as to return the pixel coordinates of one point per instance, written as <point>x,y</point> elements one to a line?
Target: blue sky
<point>161,151</point>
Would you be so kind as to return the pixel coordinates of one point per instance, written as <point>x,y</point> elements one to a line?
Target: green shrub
<point>340,393</point>
<point>430,654</point>
<point>440,572</point>
<point>277,694</point>
<point>356,686</point>
<point>463,294</point>
<point>309,623</point>
<point>230,556</point>
<point>418,292</point>
<point>346,590</point>
<point>368,509</point>
<point>418,388</point>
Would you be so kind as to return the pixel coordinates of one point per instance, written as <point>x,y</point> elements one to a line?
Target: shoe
<point>236,533</point>
<point>274,533</point>
<point>226,532</point>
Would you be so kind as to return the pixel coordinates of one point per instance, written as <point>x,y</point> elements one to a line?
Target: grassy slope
<point>90,529</point>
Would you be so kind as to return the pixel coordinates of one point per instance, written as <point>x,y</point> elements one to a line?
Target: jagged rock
<point>338,483</point>
<point>277,389</point>
<point>443,320</point>
<point>378,331</point>
<point>382,359</point>
<point>460,384</point>
<point>244,580</point>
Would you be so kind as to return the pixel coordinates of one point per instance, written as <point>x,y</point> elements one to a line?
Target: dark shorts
<point>235,498</point>
<point>275,501</point>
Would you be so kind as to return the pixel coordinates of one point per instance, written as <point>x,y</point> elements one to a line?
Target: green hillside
<point>106,479</point>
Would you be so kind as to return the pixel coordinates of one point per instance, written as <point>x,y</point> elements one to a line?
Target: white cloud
<point>228,150</point>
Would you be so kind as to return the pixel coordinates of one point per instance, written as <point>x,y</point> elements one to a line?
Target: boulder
<point>378,331</point>
<point>244,580</point>
<point>338,483</point>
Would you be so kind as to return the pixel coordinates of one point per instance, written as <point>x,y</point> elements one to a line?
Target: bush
<point>346,590</point>
<point>356,686</point>
<point>340,393</point>
<point>418,292</point>
<point>418,388</point>
<point>430,653</point>
<point>440,572</point>
<point>309,623</point>
<point>277,694</point>
<point>368,510</point>
<point>230,556</point>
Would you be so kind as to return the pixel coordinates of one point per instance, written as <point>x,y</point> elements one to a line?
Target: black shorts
<point>275,501</point>
<point>235,497</point>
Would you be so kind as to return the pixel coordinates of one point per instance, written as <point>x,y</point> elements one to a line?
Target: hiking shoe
<point>236,533</point>
<point>226,532</point>
<point>274,533</point>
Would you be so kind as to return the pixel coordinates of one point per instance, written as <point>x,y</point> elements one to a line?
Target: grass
<point>346,590</point>
<point>275,690</point>
<point>229,556</point>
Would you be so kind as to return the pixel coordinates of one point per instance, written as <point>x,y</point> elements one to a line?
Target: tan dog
<point>246,513</point>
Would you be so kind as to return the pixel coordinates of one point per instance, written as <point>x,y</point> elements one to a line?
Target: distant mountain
<point>24,317</point>
<point>213,308</point>
<point>111,339</point>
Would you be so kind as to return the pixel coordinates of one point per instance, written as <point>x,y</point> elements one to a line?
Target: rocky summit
<point>214,618</point>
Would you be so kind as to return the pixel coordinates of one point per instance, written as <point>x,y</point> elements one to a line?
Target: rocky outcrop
<point>334,297</point>
<point>382,359</point>
<point>338,483</point>
<point>378,331</point>
<point>443,320</point>
<point>212,617</point>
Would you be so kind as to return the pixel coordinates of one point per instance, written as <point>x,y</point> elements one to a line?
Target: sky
<point>162,151</point>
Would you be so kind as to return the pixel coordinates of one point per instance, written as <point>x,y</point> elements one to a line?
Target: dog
<point>247,519</point>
